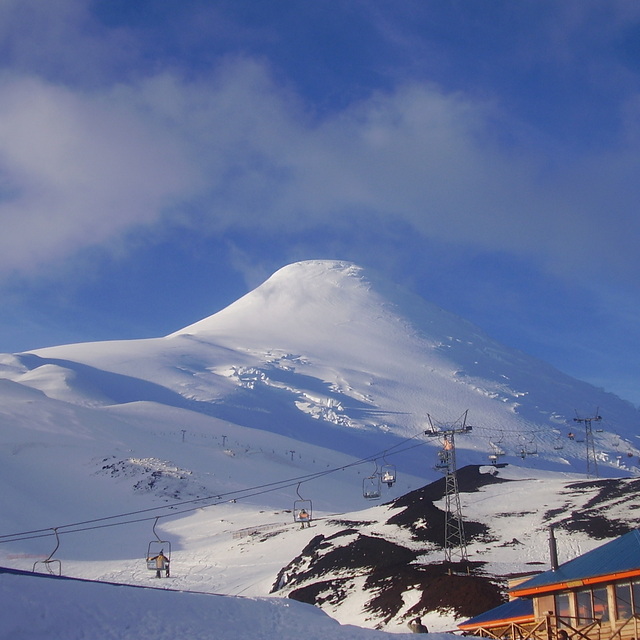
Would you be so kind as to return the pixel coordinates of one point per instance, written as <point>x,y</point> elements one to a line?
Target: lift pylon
<point>454,536</point>
<point>592,463</point>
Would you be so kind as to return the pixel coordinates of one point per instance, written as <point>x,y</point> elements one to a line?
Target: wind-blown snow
<point>299,390</point>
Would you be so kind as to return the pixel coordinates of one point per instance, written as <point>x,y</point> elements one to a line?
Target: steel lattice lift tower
<point>454,536</point>
<point>592,463</point>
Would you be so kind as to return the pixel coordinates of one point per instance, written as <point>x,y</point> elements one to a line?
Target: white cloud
<point>237,149</point>
<point>77,168</point>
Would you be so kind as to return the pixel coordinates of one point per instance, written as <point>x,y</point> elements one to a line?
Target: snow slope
<point>45,608</point>
<point>302,389</point>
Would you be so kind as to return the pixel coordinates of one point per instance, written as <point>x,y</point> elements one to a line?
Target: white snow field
<point>300,390</point>
<point>44,608</point>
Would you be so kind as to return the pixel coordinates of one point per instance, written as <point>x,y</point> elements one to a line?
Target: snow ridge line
<point>33,574</point>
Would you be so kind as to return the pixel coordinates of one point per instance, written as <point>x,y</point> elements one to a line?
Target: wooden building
<point>595,596</point>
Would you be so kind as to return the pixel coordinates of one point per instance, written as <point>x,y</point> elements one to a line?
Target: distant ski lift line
<point>217,498</point>
<point>266,488</point>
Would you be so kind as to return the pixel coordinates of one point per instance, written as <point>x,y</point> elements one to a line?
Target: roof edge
<point>572,584</point>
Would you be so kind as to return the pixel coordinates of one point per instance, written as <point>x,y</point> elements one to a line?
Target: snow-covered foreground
<point>237,549</point>
<point>43,608</point>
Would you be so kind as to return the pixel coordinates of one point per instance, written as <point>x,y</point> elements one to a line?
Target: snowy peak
<point>325,349</point>
<point>300,303</point>
<point>329,294</point>
<point>338,314</point>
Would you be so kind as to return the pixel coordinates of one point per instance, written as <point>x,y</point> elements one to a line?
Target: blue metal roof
<point>617,556</point>
<point>512,610</point>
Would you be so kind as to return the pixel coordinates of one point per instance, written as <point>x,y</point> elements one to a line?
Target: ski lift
<point>443,460</point>
<point>388,473</point>
<point>302,509</point>
<point>528,447</point>
<point>371,487</point>
<point>496,451</point>
<point>156,548</point>
<point>531,447</point>
<point>50,562</point>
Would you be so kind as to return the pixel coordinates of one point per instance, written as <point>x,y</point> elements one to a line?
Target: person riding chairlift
<point>162,563</point>
<point>303,516</point>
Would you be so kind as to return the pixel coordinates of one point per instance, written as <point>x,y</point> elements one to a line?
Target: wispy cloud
<point>234,146</point>
<point>239,150</point>
<point>77,168</point>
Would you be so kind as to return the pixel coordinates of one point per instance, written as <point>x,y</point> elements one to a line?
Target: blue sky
<point>158,159</point>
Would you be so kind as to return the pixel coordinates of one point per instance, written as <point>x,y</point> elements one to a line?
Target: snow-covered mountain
<point>324,351</point>
<point>302,390</point>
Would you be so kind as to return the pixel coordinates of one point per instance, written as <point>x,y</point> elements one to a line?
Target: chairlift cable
<point>240,494</point>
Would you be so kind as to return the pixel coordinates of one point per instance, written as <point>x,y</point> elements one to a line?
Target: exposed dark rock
<point>426,522</point>
<point>323,592</point>
<point>470,479</point>
<point>330,568</point>
<point>441,589</point>
<point>592,517</point>
<point>321,557</point>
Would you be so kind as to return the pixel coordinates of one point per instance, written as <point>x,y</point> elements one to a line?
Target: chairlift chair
<point>302,509</point>
<point>50,562</point>
<point>443,460</point>
<point>528,447</point>
<point>496,451</point>
<point>371,487</point>
<point>388,474</point>
<point>157,547</point>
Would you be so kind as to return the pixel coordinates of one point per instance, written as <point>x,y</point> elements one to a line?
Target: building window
<point>562,605</point>
<point>624,607</point>
<point>584,606</point>
<point>635,588</point>
<point>601,604</point>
